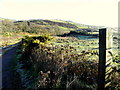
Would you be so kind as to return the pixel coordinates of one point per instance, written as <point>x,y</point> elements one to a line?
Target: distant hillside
<point>54,27</point>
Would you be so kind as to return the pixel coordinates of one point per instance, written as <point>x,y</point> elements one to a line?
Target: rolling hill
<point>53,27</point>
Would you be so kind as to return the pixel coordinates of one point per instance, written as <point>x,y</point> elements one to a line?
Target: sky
<point>90,12</point>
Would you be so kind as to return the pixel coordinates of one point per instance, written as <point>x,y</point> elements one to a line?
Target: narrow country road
<point>9,76</point>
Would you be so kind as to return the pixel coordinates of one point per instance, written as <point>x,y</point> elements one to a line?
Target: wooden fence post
<point>105,58</point>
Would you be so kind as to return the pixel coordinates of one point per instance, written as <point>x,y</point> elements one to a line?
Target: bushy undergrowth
<point>53,66</point>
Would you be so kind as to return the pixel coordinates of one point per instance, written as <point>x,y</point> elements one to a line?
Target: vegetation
<point>53,55</point>
<point>61,64</point>
<point>58,66</point>
<point>12,31</point>
<point>10,38</point>
<point>54,27</point>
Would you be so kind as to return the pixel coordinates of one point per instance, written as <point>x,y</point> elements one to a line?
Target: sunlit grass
<point>80,45</point>
<point>10,38</point>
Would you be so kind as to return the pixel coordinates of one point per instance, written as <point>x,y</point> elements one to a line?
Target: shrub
<point>58,66</point>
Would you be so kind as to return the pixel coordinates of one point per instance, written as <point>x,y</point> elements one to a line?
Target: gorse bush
<point>30,41</point>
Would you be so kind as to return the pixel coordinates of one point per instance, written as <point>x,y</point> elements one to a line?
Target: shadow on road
<point>8,67</point>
